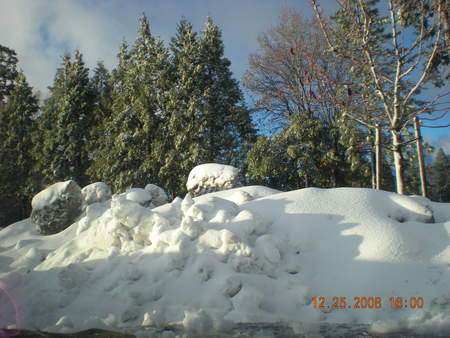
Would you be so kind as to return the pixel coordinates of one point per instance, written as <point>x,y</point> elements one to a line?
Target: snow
<point>95,192</point>
<point>211,177</point>
<point>249,254</point>
<point>49,195</point>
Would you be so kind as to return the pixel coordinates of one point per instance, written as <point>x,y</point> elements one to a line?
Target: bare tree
<point>396,67</point>
<point>293,73</point>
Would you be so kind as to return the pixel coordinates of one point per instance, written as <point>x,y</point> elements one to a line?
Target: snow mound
<point>95,193</point>
<point>249,254</point>
<point>210,177</point>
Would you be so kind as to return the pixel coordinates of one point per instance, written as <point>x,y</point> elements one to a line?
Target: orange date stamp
<point>368,303</point>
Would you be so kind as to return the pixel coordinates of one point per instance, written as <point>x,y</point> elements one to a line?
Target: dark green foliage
<point>439,174</point>
<point>8,71</point>
<point>223,113</point>
<point>101,86</point>
<point>208,120</point>
<point>130,154</point>
<point>268,164</point>
<point>308,152</point>
<point>17,126</point>
<point>66,121</point>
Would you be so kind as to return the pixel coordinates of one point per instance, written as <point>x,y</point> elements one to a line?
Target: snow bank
<point>210,177</point>
<point>249,254</point>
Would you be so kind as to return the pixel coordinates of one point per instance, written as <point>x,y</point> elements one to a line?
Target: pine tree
<point>208,120</point>
<point>101,85</point>
<point>224,117</point>
<point>131,154</point>
<point>17,127</point>
<point>8,71</point>
<point>66,123</point>
<point>186,132</point>
<point>102,167</point>
<point>440,177</point>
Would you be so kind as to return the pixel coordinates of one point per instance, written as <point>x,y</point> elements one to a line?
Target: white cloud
<point>41,31</point>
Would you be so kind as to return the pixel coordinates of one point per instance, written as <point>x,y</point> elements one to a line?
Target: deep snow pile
<point>244,255</point>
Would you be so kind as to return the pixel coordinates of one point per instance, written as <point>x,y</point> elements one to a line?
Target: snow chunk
<point>406,209</point>
<point>211,177</point>
<point>95,193</point>
<point>127,212</point>
<point>159,196</point>
<point>138,195</point>
<point>208,208</point>
<point>211,238</point>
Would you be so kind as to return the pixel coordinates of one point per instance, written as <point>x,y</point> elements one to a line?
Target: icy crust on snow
<point>227,257</point>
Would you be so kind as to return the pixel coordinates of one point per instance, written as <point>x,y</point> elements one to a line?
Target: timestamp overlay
<point>367,302</point>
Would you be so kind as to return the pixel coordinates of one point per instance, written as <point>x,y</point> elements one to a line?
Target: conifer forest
<point>325,102</point>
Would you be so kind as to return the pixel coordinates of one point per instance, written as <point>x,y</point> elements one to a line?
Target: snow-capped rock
<point>210,177</point>
<point>56,207</point>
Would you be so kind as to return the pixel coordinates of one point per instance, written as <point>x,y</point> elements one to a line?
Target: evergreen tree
<point>208,119</point>
<point>268,164</point>
<point>66,123</point>
<point>226,121</point>
<point>101,85</point>
<point>17,126</point>
<point>303,155</point>
<point>440,177</point>
<point>186,130</point>
<point>8,71</point>
<point>130,156</point>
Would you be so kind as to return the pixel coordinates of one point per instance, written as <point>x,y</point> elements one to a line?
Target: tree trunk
<point>423,179</point>
<point>378,156</point>
<point>372,169</point>
<point>398,162</point>
<point>306,181</point>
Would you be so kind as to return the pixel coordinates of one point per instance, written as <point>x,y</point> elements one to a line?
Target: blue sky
<point>42,30</point>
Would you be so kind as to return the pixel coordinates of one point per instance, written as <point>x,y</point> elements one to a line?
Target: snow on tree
<point>66,122</point>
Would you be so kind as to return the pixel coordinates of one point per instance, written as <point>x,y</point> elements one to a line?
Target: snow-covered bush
<point>211,177</point>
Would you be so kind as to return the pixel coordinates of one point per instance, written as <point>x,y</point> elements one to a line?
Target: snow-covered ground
<point>249,254</point>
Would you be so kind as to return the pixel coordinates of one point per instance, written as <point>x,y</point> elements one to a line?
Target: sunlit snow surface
<point>244,255</point>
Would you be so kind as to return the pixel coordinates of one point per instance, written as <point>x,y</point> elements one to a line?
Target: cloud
<point>41,31</point>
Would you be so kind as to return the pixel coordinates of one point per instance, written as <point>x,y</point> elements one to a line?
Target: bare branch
<point>426,70</point>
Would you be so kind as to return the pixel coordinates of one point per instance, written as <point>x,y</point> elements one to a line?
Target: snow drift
<point>248,254</point>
